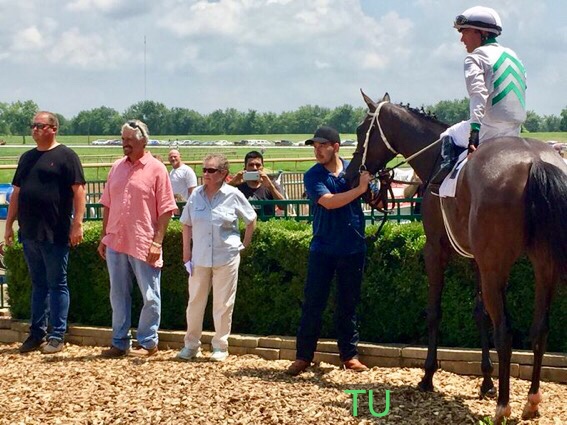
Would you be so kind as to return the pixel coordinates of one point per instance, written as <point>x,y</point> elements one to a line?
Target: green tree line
<point>15,119</point>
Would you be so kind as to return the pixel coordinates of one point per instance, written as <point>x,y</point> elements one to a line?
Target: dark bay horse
<point>510,200</point>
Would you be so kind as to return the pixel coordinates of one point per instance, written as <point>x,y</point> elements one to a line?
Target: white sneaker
<point>53,346</point>
<point>218,355</point>
<point>187,353</point>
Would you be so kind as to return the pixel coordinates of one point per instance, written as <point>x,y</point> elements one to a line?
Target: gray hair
<point>140,127</point>
<point>223,163</point>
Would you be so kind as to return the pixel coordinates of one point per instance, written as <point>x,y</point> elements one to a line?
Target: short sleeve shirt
<point>261,193</point>
<point>137,194</point>
<point>45,204</point>
<point>214,222</point>
<point>338,231</point>
<point>182,178</point>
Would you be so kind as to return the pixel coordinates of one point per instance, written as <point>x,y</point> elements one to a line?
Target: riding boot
<point>449,155</point>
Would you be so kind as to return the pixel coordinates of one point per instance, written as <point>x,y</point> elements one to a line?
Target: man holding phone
<point>255,184</point>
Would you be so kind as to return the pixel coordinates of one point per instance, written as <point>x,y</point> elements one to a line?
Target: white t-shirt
<point>182,178</point>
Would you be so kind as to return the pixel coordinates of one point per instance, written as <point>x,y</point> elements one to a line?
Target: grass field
<point>90,154</point>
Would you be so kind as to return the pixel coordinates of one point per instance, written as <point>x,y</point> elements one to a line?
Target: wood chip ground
<point>77,386</point>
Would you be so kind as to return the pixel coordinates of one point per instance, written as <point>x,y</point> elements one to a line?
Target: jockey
<point>496,84</point>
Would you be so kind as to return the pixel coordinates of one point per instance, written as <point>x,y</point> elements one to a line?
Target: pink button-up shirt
<point>136,195</point>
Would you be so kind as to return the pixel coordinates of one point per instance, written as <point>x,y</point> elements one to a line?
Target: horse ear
<point>386,97</point>
<point>371,104</point>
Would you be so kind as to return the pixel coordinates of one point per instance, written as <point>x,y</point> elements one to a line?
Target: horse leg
<point>435,264</point>
<point>493,283</point>
<point>482,320</point>
<point>540,329</point>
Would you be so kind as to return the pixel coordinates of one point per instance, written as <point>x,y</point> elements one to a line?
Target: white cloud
<point>88,51</point>
<point>28,39</point>
<point>81,5</point>
<point>261,54</point>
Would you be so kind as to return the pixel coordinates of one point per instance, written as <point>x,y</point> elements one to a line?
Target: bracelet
<point>156,244</point>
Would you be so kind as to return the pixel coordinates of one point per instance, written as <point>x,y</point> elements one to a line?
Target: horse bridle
<point>381,183</point>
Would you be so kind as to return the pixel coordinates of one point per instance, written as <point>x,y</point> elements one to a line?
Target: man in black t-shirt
<point>255,184</point>
<point>49,203</point>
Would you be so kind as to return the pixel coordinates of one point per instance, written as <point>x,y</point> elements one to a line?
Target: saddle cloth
<point>449,185</point>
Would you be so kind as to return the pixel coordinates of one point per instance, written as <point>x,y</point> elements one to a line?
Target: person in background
<point>49,203</point>
<point>338,248</point>
<point>260,187</point>
<point>211,253</point>
<point>183,178</point>
<point>138,204</point>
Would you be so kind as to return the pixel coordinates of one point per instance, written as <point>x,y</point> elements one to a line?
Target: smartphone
<point>251,176</point>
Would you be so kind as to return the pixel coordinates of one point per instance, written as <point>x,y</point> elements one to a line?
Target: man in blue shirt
<point>337,247</point>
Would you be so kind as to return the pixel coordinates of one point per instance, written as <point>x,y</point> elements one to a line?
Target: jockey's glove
<point>473,140</point>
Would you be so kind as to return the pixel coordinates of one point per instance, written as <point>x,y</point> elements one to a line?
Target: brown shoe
<point>144,352</point>
<point>297,367</point>
<point>113,352</point>
<point>354,364</point>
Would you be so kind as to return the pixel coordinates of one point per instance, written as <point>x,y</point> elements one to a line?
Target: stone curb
<point>462,361</point>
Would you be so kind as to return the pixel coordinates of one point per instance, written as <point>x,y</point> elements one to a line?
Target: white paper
<point>189,267</point>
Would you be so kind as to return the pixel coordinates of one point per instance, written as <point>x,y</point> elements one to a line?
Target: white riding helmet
<point>480,18</point>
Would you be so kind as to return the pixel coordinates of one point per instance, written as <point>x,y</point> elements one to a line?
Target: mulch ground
<point>79,387</point>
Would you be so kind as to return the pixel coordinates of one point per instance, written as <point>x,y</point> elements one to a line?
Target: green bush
<point>270,288</point>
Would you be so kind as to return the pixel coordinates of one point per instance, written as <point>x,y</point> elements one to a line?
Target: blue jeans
<point>123,268</point>
<point>47,265</point>
<point>321,270</point>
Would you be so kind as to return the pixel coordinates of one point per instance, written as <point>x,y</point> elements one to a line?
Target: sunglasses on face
<point>39,125</point>
<point>210,170</point>
<point>136,126</point>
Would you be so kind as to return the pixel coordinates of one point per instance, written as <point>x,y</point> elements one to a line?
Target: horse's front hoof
<point>502,412</point>
<point>425,386</point>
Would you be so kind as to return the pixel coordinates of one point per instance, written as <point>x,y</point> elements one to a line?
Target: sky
<point>263,55</point>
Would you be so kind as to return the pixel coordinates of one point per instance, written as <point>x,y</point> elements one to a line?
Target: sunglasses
<point>210,170</point>
<point>40,125</point>
<point>136,126</point>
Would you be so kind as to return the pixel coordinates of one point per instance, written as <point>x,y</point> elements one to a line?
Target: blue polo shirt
<point>339,231</point>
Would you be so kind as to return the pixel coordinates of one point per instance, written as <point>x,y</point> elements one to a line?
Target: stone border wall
<point>457,360</point>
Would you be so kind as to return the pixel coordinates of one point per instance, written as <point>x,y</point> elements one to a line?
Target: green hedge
<point>272,273</point>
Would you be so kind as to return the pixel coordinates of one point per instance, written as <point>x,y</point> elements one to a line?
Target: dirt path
<point>79,387</point>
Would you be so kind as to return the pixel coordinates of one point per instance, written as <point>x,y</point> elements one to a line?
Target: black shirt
<point>45,203</point>
<point>262,193</point>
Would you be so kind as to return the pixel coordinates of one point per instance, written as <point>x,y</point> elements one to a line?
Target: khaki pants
<point>223,279</point>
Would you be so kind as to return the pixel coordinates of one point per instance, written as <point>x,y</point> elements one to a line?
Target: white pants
<point>223,279</point>
<point>490,130</point>
<point>460,132</point>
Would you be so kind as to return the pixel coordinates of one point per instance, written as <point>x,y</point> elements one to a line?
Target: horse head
<point>389,130</point>
<point>372,153</point>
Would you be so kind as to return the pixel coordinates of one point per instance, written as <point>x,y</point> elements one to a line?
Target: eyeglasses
<point>210,170</point>
<point>136,126</point>
<point>40,125</point>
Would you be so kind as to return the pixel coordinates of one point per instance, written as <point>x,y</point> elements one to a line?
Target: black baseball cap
<point>325,134</point>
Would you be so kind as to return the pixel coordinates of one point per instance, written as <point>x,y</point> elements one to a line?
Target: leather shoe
<point>354,364</point>
<point>297,367</point>
<point>113,352</point>
<point>144,352</point>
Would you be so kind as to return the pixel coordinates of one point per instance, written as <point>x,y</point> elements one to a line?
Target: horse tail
<point>546,203</point>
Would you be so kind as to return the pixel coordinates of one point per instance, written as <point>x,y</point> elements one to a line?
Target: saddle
<point>449,186</point>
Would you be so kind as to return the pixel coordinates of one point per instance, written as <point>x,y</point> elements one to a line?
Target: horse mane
<point>422,113</point>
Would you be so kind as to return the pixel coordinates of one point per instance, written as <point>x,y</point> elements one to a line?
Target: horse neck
<point>410,134</point>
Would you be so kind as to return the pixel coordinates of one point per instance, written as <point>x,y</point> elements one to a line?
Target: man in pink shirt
<point>138,203</point>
